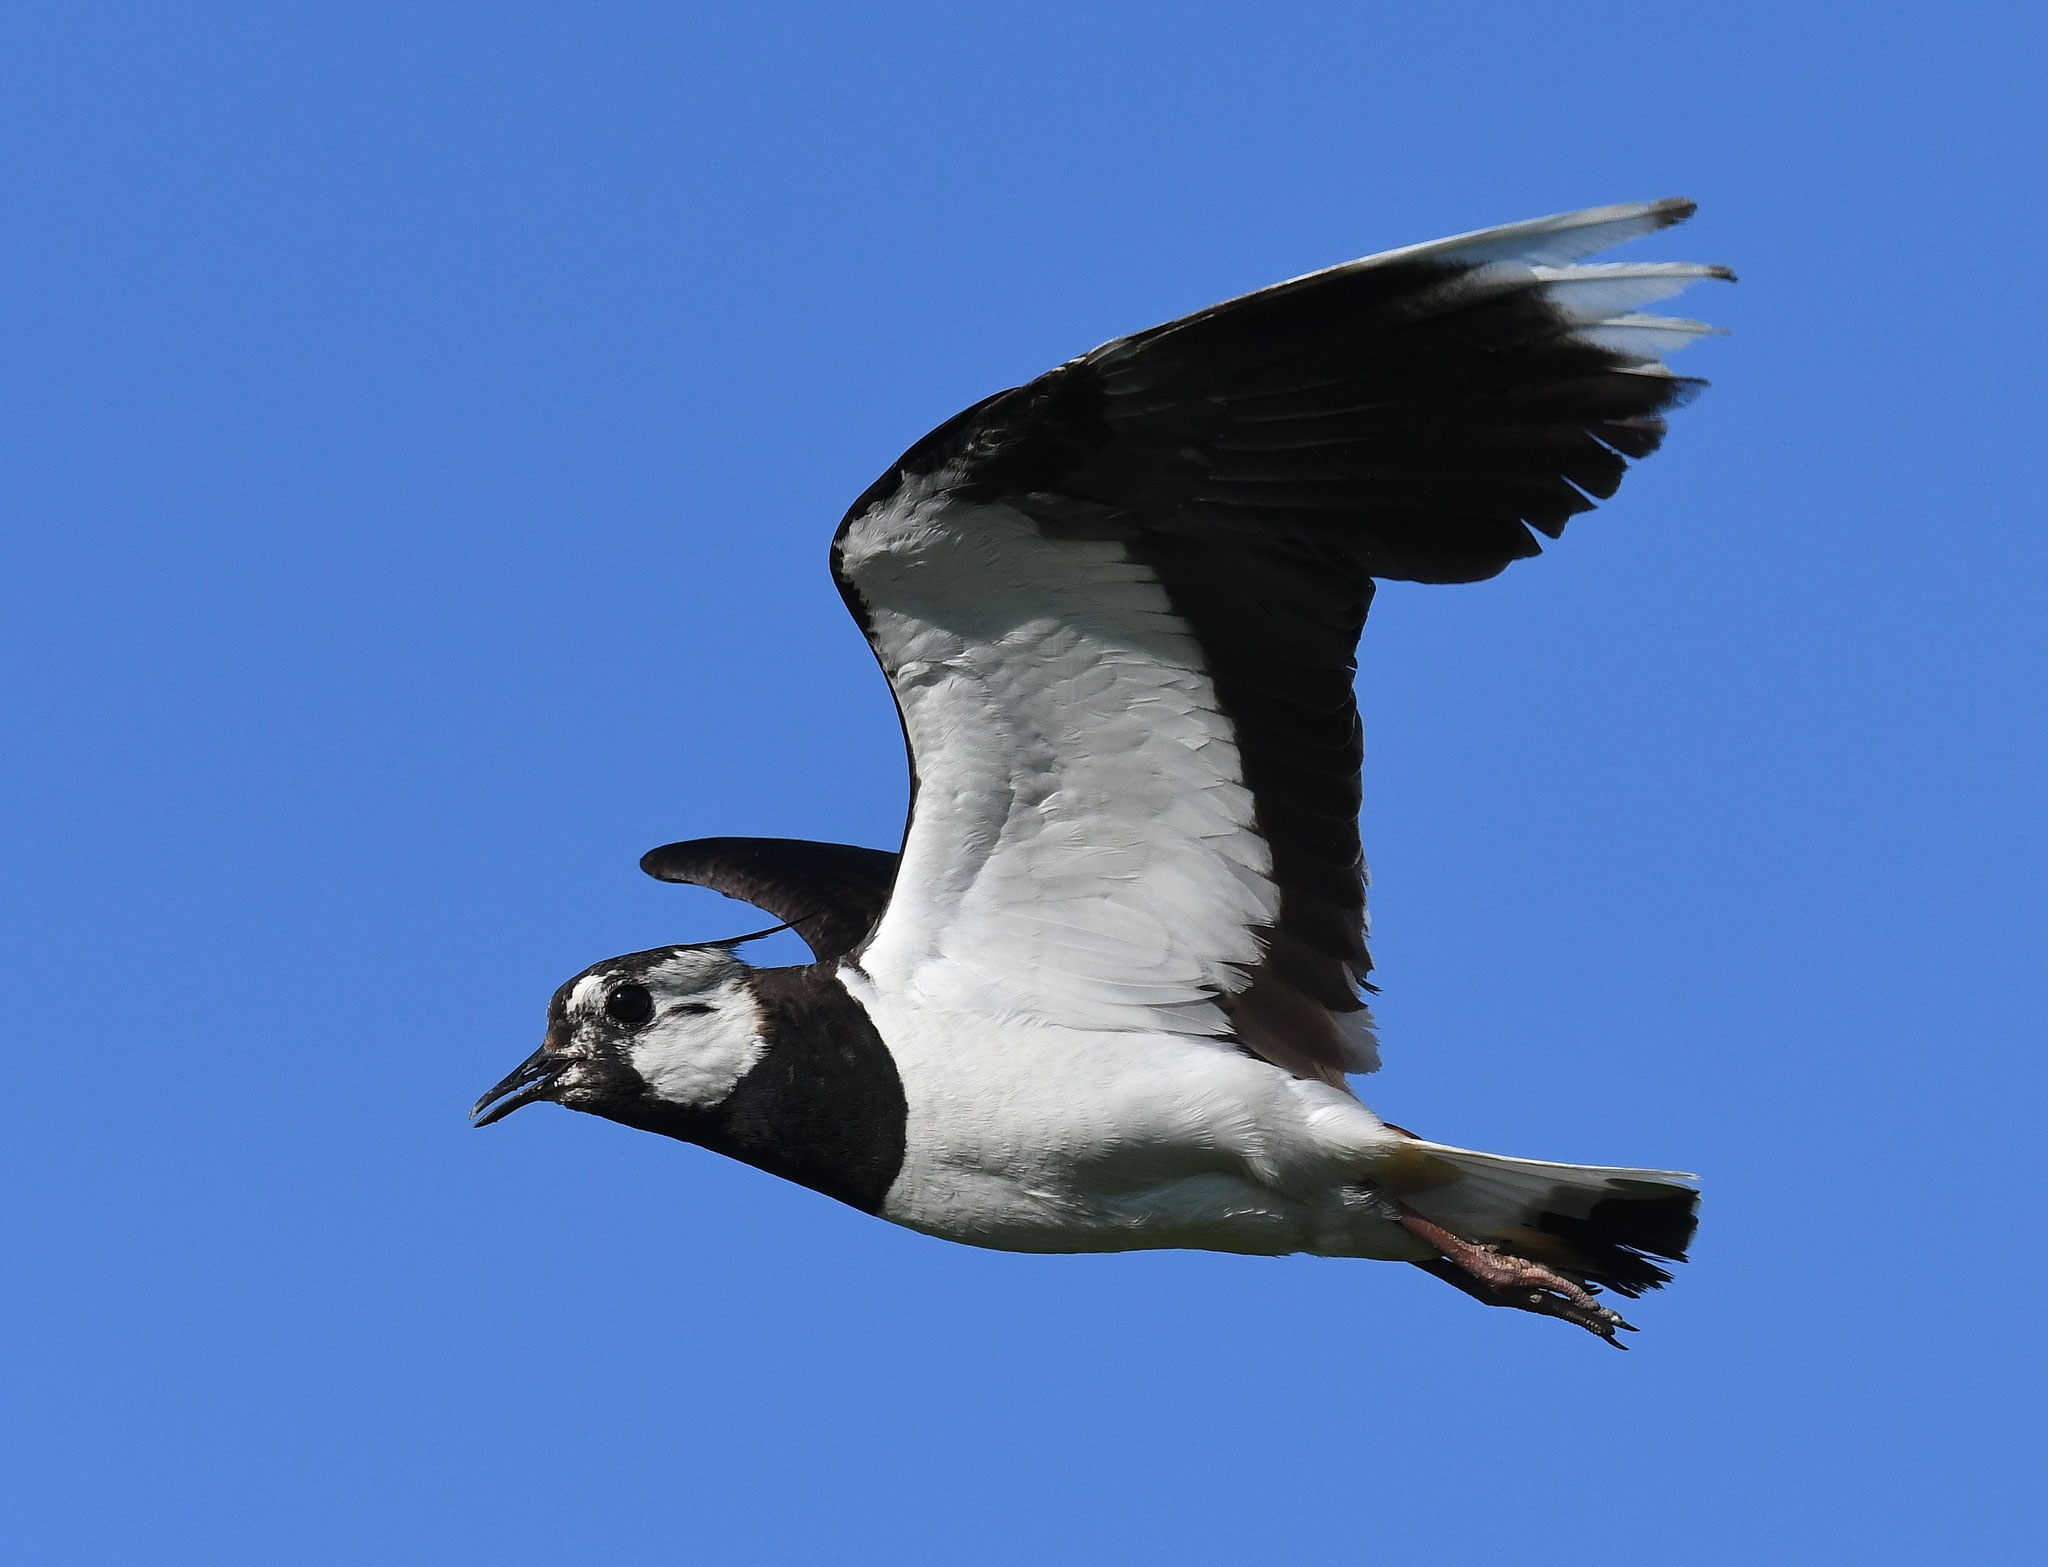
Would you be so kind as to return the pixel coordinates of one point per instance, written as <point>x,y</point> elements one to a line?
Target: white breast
<point>1034,1137</point>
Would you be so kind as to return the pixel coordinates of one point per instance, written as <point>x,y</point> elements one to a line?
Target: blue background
<point>422,428</point>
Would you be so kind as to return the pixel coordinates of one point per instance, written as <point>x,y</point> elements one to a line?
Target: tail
<point>1599,1224</point>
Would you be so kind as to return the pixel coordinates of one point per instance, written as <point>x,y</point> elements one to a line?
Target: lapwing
<point>1110,993</point>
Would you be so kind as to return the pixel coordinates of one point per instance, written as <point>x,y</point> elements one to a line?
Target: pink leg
<point>1511,1281</point>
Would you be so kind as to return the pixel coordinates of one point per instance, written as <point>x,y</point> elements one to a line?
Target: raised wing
<point>1119,606</point>
<point>831,894</point>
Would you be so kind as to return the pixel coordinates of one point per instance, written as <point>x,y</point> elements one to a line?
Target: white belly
<point>1026,1137</point>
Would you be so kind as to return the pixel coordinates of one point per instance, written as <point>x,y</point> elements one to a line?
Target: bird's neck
<point>822,1106</point>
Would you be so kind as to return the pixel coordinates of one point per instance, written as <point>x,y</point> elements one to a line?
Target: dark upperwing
<point>831,894</point>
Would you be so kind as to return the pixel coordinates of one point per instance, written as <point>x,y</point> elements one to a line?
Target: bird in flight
<point>1108,996</point>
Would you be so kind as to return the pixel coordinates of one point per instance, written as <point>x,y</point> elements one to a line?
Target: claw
<point>1594,1319</point>
<point>1494,1276</point>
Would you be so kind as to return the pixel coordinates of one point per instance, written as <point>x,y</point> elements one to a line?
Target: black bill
<point>533,1079</point>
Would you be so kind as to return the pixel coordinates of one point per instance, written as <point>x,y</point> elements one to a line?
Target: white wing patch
<point>1082,850</point>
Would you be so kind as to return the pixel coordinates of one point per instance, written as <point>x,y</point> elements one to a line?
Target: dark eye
<point>629,1006</point>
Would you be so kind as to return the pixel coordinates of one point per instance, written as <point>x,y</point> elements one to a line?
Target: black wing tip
<point>1670,211</point>
<point>831,894</point>
<point>690,860</point>
<point>665,863</point>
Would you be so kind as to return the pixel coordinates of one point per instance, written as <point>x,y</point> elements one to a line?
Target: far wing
<point>831,893</point>
<point>1118,608</point>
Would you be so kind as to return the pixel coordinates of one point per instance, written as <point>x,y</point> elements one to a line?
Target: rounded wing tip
<point>661,862</point>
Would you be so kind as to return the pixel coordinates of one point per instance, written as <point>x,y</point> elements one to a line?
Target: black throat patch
<point>823,1106</point>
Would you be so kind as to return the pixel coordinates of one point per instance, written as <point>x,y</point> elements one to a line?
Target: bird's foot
<point>1492,1275</point>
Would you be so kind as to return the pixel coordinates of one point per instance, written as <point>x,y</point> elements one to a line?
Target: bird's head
<point>649,1038</point>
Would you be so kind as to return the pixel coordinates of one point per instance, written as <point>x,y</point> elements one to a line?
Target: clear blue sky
<point>422,428</point>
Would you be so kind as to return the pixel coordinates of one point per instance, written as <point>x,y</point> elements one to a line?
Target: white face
<point>682,1018</point>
